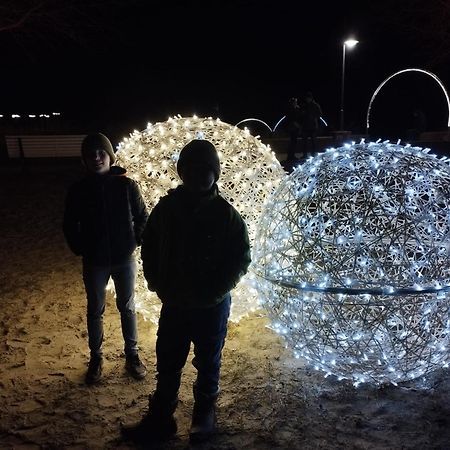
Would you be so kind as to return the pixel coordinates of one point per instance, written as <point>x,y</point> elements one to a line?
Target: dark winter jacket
<point>311,113</point>
<point>104,217</point>
<point>194,249</point>
<point>293,119</point>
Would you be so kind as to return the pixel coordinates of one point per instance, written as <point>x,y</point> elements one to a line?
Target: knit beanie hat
<point>199,151</point>
<point>97,141</point>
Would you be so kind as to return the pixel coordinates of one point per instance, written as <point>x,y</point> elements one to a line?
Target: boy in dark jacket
<point>104,219</point>
<point>195,249</point>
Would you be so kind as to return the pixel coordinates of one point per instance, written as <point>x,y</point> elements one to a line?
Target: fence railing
<point>43,146</point>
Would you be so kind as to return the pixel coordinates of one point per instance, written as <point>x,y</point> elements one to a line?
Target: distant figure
<point>311,113</point>
<point>293,126</point>
<point>195,249</point>
<point>215,110</point>
<point>104,218</point>
<point>419,125</point>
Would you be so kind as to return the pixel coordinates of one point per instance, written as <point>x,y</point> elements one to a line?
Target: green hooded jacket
<point>194,248</point>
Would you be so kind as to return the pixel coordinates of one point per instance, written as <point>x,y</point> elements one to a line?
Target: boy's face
<point>97,161</point>
<point>198,178</point>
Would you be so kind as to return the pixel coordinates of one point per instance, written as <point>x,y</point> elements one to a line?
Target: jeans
<point>95,280</point>
<point>206,328</point>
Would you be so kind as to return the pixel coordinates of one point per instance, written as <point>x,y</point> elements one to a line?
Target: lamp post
<point>350,43</point>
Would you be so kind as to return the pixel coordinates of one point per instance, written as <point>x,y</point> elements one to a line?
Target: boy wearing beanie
<point>104,218</point>
<point>195,249</point>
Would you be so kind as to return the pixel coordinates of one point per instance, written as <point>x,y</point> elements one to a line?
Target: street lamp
<point>350,43</point>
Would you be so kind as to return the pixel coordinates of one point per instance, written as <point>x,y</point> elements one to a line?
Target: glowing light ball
<point>353,260</point>
<point>250,173</point>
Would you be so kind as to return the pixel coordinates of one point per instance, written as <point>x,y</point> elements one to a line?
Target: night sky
<point>116,67</point>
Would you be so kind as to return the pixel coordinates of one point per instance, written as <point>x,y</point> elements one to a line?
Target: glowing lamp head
<point>350,43</point>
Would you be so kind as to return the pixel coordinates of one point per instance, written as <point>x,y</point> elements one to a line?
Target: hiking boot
<point>135,367</point>
<point>94,372</point>
<point>157,425</point>
<point>204,421</point>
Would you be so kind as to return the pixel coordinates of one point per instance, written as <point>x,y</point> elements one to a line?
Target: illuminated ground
<point>268,400</point>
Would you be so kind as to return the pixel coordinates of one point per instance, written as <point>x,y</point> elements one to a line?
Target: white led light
<point>250,173</point>
<point>361,262</point>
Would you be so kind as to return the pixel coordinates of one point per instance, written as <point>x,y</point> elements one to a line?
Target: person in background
<point>419,125</point>
<point>311,113</point>
<point>104,218</point>
<point>195,249</point>
<point>294,127</point>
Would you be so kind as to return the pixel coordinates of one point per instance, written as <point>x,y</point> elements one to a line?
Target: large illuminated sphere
<point>250,173</point>
<point>353,258</point>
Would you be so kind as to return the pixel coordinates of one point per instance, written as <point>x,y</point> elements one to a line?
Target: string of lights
<point>250,173</point>
<point>352,258</point>
<point>30,116</point>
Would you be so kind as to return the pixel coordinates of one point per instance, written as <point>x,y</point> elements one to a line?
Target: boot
<point>95,369</point>
<point>158,424</point>
<point>203,417</point>
<point>135,367</point>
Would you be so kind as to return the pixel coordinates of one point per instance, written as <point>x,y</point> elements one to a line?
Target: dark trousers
<point>206,328</point>
<point>309,133</point>
<point>292,148</point>
<point>95,280</point>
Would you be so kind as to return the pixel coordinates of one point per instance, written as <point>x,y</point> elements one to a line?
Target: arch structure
<point>426,72</point>
<point>254,120</point>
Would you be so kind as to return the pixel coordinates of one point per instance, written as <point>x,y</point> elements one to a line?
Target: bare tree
<point>424,23</point>
<point>14,15</point>
<point>39,25</point>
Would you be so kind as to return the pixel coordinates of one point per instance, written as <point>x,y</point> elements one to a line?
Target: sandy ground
<point>269,400</point>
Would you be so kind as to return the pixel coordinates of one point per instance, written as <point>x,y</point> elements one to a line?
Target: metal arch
<point>278,123</point>
<point>431,74</point>
<point>284,117</point>
<point>256,120</point>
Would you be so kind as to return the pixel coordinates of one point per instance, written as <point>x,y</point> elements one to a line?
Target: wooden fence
<point>43,146</point>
